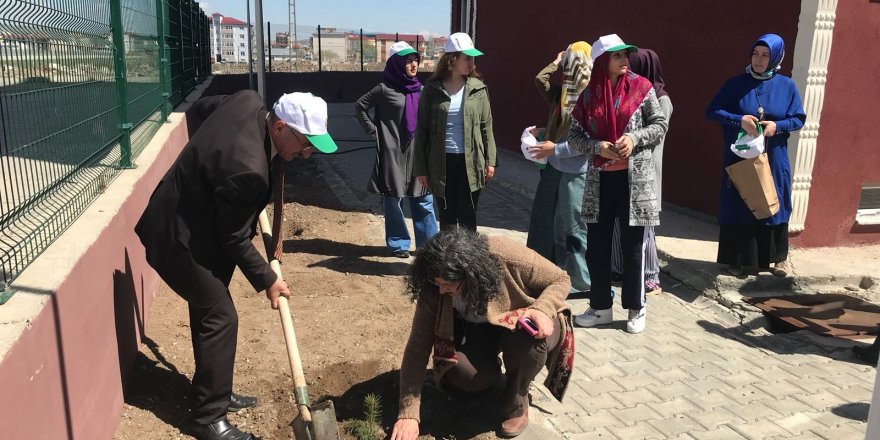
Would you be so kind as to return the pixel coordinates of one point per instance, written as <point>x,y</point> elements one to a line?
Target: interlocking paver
<point>715,418</point>
<point>636,414</point>
<point>709,400</point>
<point>599,402</point>
<point>747,394</point>
<point>740,379</point>
<point>636,381</point>
<point>598,434</point>
<point>602,418</point>
<point>674,407</point>
<point>843,432</point>
<point>787,406</point>
<point>640,431</point>
<point>797,423</point>
<point>821,400</point>
<point>760,429</point>
<point>722,433</point>
<point>707,385</point>
<point>564,423</point>
<point>602,386</point>
<point>669,376</point>
<point>673,390</point>
<point>630,399</point>
<point>753,411</point>
<point>675,426</point>
<point>637,366</point>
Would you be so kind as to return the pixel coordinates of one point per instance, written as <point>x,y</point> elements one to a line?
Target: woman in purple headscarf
<point>395,102</point>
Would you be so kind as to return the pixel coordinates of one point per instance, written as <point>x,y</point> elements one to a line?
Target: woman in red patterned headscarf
<point>618,122</point>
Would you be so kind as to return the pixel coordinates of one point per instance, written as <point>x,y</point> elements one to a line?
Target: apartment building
<point>229,39</point>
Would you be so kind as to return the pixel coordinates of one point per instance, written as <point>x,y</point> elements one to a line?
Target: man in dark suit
<point>200,221</point>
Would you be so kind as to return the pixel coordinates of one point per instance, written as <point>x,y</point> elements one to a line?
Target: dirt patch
<point>351,319</point>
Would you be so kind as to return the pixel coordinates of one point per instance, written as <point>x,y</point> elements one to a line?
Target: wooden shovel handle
<point>296,369</point>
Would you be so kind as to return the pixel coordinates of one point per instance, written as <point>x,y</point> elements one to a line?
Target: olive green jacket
<point>430,138</point>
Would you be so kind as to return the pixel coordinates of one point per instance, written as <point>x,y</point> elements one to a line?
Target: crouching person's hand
<point>405,429</point>
<point>542,321</point>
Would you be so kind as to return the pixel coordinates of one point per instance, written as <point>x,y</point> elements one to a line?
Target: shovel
<point>313,422</point>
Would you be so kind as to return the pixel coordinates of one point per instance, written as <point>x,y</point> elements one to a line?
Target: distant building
<point>384,42</point>
<point>229,39</point>
<point>333,45</point>
<point>281,39</point>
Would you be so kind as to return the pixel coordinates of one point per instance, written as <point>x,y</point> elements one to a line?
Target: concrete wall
<point>69,336</point>
<point>846,149</point>
<point>331,86</point>
<point>700,43</point>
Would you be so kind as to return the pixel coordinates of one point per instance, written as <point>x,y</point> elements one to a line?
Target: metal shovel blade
<point>324,421</point>
<point>323,425</point>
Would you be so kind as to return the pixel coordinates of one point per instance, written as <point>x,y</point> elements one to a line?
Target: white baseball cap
<point>307,114</point>
<point>461,42</point>
<point>401,48</point>
<point>609,43</point>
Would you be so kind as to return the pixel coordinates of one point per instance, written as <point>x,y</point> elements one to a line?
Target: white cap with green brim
<point>609,43</point>
<point>307,114</point>
<point>461,42</point>
<point>401,48</point>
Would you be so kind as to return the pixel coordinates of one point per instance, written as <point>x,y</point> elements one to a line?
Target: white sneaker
<point>636,321</point>
<point>593,317</point>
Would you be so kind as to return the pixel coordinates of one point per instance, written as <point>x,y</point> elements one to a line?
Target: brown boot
<point>514,426</point>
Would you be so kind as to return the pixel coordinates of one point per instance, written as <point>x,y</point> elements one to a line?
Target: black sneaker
<point>401,254</point>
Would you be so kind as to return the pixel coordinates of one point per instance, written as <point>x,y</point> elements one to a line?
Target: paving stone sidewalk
<point>695,373</point>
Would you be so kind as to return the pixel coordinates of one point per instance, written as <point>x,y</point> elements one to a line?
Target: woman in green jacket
<point>454,144</point>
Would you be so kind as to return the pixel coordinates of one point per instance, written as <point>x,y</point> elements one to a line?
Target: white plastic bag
<point>748,146</point>
<point>529,141</point>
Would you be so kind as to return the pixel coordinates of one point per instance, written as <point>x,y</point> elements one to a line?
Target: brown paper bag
<point>754,182</point>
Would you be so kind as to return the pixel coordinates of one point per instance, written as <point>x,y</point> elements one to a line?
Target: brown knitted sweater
<point>530,281</point>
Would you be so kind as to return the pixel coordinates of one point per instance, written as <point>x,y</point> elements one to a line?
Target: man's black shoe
<point>237,402</point>
<point>869,353</point>
<point>219,430</point>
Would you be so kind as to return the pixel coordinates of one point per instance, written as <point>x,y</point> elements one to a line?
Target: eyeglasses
<point>303,141</point>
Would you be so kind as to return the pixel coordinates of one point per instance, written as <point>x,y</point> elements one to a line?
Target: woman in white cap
<point>395,102</point>
<point>454,144</point>
<point>618,122</point>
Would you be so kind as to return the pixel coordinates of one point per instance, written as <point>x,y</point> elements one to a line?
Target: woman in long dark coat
<point>757,96</point>
<point>395,102</point>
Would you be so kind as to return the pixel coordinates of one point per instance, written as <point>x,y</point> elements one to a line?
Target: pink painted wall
<point>700,43</point>
<point>64,377</point>
<point>847,155</point>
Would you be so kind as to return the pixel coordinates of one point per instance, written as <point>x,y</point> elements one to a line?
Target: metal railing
<point>321,48</point>
<point>84,85</point>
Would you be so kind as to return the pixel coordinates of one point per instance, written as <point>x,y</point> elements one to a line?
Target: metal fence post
<point>161,18</point>
<point>269,36</point>
<point>121,88</point>
<point>362,49</point>
<point>319,48</point>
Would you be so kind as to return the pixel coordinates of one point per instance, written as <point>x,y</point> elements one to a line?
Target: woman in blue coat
<point>758,96</point>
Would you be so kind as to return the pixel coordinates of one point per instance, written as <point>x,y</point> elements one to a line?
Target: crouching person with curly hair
<point>478,297</point>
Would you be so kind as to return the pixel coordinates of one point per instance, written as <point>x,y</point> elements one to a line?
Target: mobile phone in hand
<point>528,325</point>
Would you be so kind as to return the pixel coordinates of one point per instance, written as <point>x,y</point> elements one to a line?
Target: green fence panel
<point>62,123</point>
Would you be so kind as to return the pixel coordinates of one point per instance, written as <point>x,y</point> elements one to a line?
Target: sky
<point>405,17</point>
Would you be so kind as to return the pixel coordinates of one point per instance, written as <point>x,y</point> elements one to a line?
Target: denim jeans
<point>424,222</point>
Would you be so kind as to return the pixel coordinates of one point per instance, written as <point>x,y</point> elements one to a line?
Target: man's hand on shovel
<point>277,289</point>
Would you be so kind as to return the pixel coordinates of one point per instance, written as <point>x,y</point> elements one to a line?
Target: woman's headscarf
<point>645,62</point>
<point>576,67</point>
<point>396,78</point>
<point>777,53</point>
<point>605,113</point>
